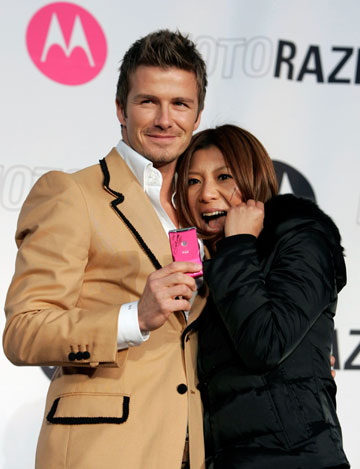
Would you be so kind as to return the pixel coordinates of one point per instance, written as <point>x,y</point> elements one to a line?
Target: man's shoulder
<point>113,160</point>
<point>90,174</point>
<point>61,181</point>
<point>83,175</point>
<point>89,180</point>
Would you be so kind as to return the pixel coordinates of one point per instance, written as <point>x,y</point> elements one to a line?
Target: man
<point>85,296</point>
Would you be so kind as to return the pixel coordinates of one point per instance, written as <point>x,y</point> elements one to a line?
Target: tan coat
<point>77,263</point>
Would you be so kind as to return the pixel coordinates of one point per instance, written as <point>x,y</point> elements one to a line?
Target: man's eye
<point>223,177</point>
<point>146,101</point>
<point>180,103</point>
<point>193,181</point>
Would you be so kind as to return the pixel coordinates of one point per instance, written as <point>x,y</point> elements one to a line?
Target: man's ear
<point>197,122</point>
<point>120,114</point>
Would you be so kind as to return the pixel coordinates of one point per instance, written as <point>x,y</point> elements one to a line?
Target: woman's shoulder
<point>287,212</point>
<point>288,216</point>
<point>297,211</point>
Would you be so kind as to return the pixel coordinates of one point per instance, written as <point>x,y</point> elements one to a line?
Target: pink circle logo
<point>66,43</point>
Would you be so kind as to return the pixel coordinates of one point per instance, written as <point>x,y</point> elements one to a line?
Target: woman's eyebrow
<point>217,169</point>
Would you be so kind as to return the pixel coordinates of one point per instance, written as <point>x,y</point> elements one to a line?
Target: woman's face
<point>212,190</point>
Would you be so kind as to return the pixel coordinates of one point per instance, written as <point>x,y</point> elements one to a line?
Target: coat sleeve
<point>46,324</point>
<point>267,317</point>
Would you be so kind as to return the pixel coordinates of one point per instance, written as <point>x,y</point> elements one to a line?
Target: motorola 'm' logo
<point>66,43</point>
<point>290,180</point>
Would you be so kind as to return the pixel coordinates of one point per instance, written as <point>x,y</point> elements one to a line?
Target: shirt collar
<point>139,165</point>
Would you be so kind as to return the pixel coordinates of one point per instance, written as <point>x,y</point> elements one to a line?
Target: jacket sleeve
<point>267,317</point>
<point>46,324</point>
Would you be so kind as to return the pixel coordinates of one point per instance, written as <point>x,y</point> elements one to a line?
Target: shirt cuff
<point>129,333</point>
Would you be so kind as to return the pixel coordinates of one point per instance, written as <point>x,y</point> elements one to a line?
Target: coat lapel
<point>135,210</point>
<point>138,213</point>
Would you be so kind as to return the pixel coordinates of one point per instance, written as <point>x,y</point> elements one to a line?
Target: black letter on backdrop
<point>281,58</point>
<point>349,362</point>
<point>332,77</point>
<point>357,75</point>
<point>315,52</point>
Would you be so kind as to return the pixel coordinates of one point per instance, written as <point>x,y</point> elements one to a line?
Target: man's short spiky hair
<point>162,49</point>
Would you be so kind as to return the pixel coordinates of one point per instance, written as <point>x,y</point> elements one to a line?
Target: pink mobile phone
<point>185,247</point>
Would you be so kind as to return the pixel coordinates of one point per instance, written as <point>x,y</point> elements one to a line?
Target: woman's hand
<point>246,218</point>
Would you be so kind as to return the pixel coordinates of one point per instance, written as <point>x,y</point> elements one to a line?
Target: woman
<point>265,335</point>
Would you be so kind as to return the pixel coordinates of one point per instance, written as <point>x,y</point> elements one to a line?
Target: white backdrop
<point>287,70</point>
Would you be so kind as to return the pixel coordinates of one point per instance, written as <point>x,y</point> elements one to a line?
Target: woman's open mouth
<point>214,220</point>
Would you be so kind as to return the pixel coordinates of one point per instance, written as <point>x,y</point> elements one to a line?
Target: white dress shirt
<point>150,179</point>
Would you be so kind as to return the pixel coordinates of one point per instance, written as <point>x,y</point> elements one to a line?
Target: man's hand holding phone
<point>162,289</point>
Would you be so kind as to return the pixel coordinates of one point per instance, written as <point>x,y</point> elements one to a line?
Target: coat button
<point>71,356</point>
<point>182,388</point>
<point>79,356</point>
<point>86,355</point>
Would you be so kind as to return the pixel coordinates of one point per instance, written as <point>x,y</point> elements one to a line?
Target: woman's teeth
<point>208,216</point>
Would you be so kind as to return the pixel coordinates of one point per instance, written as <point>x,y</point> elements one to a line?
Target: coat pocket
<point>89,408</point>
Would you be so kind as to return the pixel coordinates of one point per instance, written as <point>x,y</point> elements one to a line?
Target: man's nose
<point>163,117</point>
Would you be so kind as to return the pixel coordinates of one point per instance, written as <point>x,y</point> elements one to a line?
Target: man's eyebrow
<point>144,96</point>
<point>155,98</point>
<point>183,100</point>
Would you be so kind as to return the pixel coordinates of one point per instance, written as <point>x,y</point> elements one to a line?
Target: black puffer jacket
<point>265,340</point>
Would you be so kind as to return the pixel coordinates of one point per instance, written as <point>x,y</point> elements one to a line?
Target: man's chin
<point>161,158</point>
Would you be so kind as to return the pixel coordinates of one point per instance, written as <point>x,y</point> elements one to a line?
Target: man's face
<point>161,113</point>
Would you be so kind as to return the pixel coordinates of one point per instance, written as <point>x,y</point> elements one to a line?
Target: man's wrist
<point>129,333</point>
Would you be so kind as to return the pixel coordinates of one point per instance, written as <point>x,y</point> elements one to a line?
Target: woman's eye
<point>193,181</point>
<point>223,177</point>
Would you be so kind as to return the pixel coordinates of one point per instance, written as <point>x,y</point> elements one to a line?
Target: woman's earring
<point>173,200</point>
<point>174,194</point>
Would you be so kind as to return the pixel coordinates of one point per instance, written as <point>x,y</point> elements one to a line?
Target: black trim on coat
<point>87,420</point>
<point>119,199</point>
